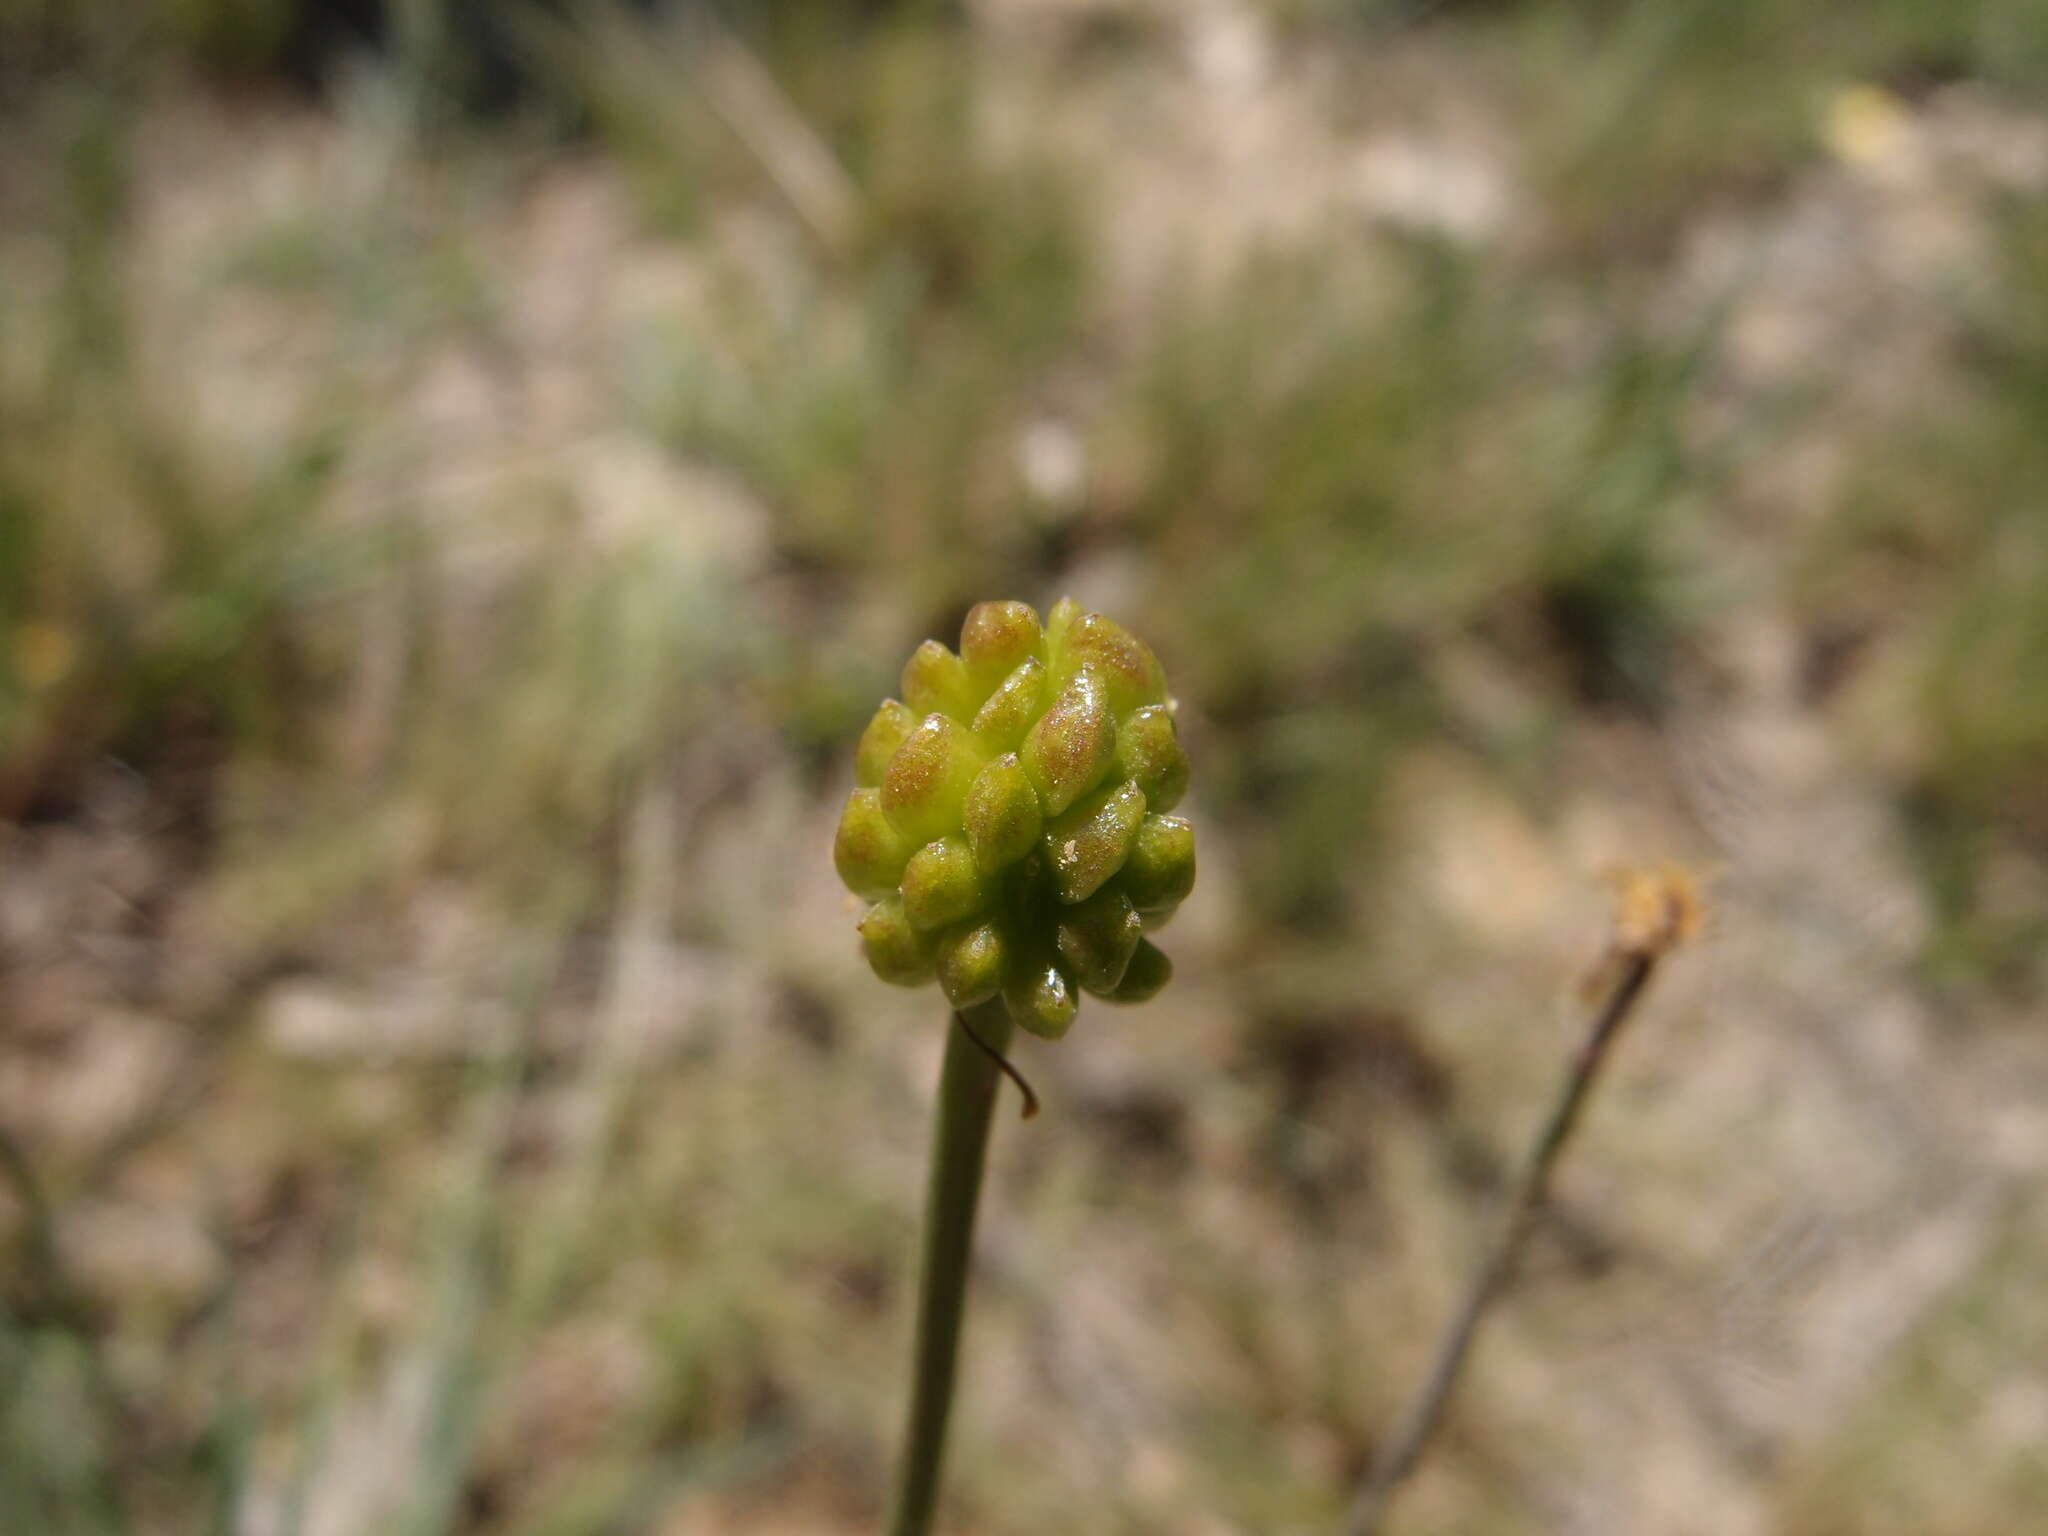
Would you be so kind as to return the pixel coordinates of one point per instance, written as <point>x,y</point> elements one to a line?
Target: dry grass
<point>442,567</point>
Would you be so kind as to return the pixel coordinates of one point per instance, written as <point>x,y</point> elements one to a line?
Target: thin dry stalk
<point>1657,911</point>
<point>795,156</point>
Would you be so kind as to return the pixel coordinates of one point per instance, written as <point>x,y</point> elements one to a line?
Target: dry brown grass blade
<point>616,52</point>
<point>791,153</point>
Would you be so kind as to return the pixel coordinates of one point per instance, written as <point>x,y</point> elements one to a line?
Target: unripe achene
<point>1010,823</point>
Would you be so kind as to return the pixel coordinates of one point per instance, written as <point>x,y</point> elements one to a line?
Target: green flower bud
<point>1148,971</point>
<point>1071,747</point>
<point>1126,665</point>
<point>1042,1000</point>
<point>997,639</point>
<point>1007,827</point>
<point>890,728</point>
<point>1161,869</point>
<point>1090,843</point>
<point>1148,753</point>
<point>941,884</point>
<point>896,952</point>
<point>1058,622</point>
<point>1011,710</point>
<point>927,779</point>
<point>1098,938</point>
<point>1001,815</point>
<point>935,682</point>
<point>869,852</point>
<point>973,960</point>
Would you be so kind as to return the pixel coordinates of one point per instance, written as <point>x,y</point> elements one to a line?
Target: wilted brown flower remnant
<point>1655,909</point>
<point>1011,826</point>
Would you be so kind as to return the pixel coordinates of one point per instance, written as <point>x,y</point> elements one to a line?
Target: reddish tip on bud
<point>1090,843</point>
<point>1072,745</point>
<point>927,778</point>
<point>997,639</point>
<point>889,729</point>
<point>1129,670</point>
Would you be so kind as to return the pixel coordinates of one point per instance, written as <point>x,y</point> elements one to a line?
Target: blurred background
<point>468,471</point>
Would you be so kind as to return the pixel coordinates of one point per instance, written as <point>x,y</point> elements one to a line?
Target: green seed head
<point>1010,826</point>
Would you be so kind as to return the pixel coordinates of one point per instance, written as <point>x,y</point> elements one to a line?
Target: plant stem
<point>1418,1425</point>
<point>967,1097</point>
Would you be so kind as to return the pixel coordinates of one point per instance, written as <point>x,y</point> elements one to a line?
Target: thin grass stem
<point>1658,911</point>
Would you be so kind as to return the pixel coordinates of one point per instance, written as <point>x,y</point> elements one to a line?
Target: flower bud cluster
<point>1010,827</point>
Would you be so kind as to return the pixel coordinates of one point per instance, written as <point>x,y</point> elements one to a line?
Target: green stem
<point>967,1097</point>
